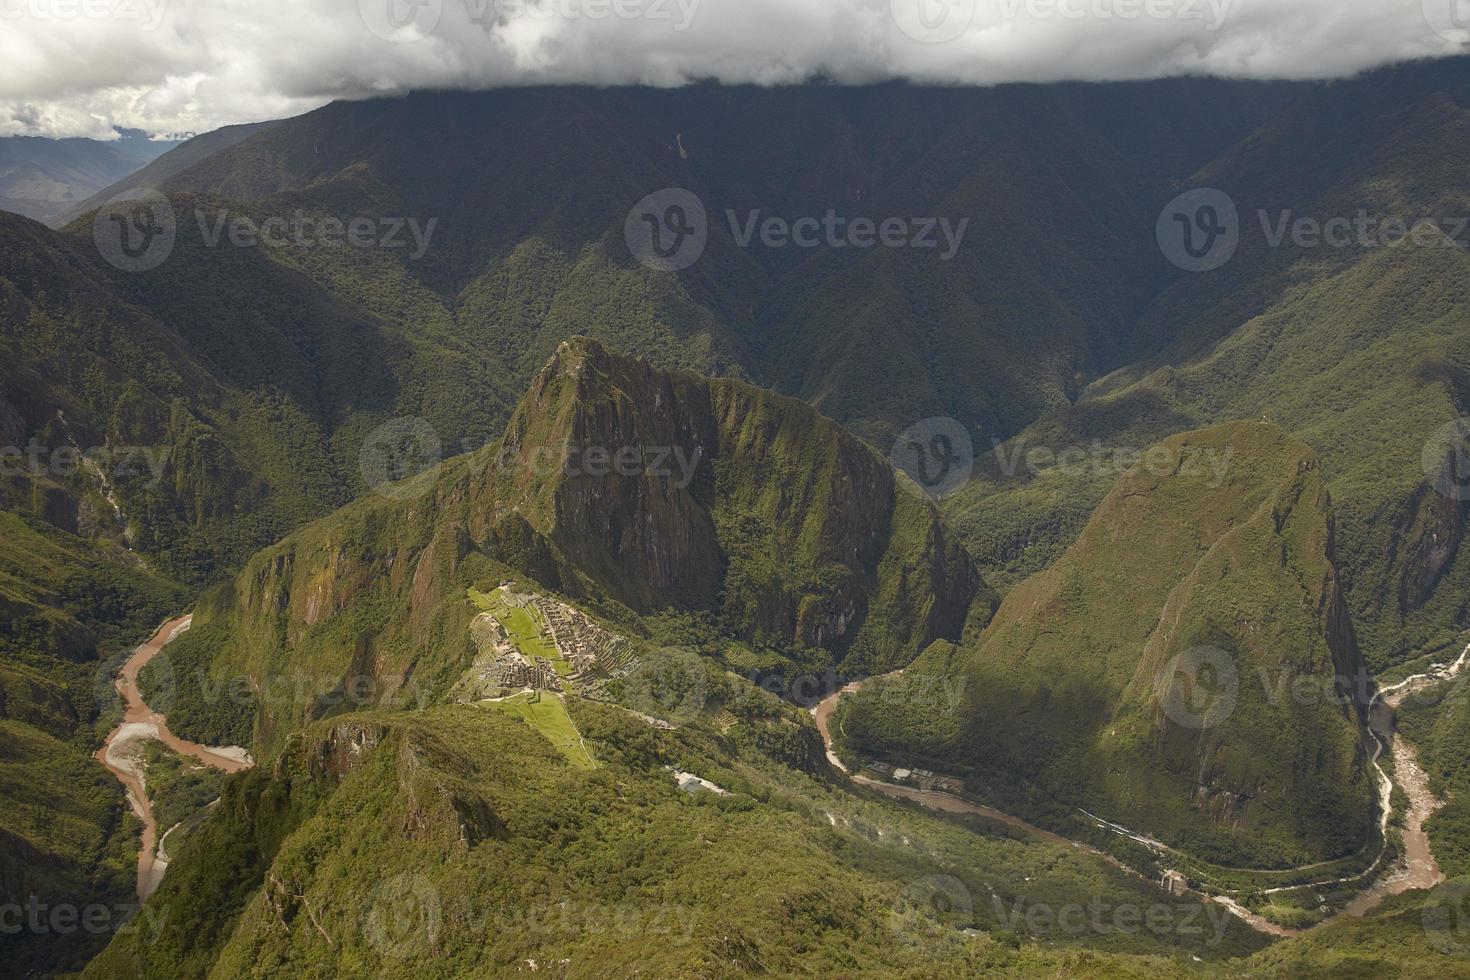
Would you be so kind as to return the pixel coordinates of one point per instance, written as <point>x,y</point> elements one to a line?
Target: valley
<point>590,574</point>
<point>119,753</point>
<point>1412,868</point>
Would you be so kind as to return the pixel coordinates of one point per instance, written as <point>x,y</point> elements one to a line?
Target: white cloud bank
<point>80,67</point>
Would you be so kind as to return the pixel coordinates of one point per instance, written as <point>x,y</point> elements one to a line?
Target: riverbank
<point>1416,870</point>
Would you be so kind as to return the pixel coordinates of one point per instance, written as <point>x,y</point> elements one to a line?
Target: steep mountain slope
<point>1154,674</point>
<point>535,253</point>
<point>452,842</point>
<point>1358,349</point>
<point>68,608</point>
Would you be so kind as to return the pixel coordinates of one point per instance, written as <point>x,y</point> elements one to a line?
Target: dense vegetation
<point>71,610</point>
<point>1095,683</point>
<point>456,842</point>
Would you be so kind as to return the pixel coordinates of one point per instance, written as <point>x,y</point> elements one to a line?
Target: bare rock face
<point>666,489</point>
<point>1429,538</point>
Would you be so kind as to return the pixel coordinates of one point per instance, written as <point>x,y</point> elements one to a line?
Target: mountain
<point>531,189</point>
<point>1056,324</point>
<point>45,179</point>
<point>70,608</point>
<point>736,521</point>
<point>1153,673</point>
<point>1359,350</point>
<point>175,158</point>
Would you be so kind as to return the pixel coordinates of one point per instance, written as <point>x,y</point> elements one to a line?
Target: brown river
<point>119,753</point>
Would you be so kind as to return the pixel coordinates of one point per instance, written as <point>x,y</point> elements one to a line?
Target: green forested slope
<point>1212,559</point>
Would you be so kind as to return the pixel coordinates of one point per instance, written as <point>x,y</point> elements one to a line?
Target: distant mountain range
<point>46,179</point>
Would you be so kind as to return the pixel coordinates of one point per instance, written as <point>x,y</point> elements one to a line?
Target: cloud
<point>80,67</point>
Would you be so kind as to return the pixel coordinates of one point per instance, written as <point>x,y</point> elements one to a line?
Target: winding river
<point>139,721</point>
<point>1417,870</point>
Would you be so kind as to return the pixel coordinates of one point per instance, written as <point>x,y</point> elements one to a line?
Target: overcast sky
<point>80,67</point>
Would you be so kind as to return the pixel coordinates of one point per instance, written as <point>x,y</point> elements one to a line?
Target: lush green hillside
<point>745,521</point>
<point>68,613</point>
<point>454,842</point>
<point>1152,674</point>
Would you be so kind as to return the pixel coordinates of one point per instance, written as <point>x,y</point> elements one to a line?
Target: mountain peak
<point>716,496</point>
